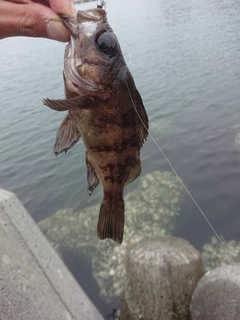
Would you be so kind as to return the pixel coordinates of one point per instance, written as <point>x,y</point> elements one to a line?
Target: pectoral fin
<point>92,177</point>
<point>67,135</point>
<point>67,104</point>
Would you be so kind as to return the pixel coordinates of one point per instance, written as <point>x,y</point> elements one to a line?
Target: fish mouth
<point>71,71</point>
<point>72,21</point>
<point>91,15</point>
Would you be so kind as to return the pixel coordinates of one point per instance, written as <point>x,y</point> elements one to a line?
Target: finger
<point>31,20</point>
<point>59,6</point>
<point>62,6</point>
<point>20,1</point>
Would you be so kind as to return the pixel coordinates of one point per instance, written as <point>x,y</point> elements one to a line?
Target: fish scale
<point>101,101</point>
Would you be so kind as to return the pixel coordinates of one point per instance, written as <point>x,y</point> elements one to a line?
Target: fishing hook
<point>101,4</point>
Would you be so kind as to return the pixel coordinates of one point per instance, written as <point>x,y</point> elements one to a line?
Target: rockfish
<point>105,109</point>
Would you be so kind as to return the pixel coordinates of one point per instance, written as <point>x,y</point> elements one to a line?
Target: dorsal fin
<point>143,129</point>
<point>139,108</point>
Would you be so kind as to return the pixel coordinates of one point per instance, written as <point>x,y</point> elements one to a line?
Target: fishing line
<point>102,3</point>
<point>180,180</point>
<point>130,58</point>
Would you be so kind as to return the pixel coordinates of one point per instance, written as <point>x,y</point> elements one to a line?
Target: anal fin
<point>67,135</point>
<point>134,173</point>
<point>92,177</point>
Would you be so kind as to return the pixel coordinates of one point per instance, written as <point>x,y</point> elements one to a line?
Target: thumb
<point>31,20</point>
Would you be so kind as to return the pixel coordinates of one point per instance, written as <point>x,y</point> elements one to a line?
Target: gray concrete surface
<point>162,274</point>
<point>34,282</point>
<point>217,295</point>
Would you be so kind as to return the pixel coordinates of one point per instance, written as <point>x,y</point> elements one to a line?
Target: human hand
<point>34,18</point>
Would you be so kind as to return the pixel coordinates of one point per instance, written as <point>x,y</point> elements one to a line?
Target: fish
<point>105,109</point>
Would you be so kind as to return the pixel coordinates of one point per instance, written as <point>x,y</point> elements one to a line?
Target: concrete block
<point>162,274</point>
<point>217,295</point>
<point>34,282</point>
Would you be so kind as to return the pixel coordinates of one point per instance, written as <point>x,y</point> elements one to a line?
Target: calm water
<point>185,60</point>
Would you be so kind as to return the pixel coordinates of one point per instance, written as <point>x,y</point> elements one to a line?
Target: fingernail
<point>56,31</point>
<point>72,8</point>
<point>63,7</point>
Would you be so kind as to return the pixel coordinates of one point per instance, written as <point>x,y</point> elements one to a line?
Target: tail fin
<point>111,220</point>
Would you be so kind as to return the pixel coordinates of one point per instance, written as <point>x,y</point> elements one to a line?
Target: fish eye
<point>107,43</point>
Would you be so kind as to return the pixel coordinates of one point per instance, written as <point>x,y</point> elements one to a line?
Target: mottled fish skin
<point>103,107</point>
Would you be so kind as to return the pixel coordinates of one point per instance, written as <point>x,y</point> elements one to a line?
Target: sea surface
<point>185,59</point>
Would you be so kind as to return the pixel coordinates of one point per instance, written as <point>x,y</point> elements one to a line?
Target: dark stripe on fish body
<point>127,119</point>
<point>119,172</point>
<point>133,141</point>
